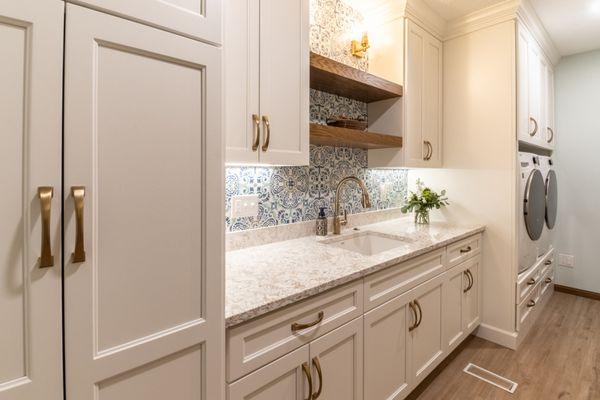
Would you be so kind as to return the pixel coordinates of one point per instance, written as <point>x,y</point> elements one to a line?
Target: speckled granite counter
<point>265,278</point>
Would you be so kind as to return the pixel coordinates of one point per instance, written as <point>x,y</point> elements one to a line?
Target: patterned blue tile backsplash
<point>294,194</point>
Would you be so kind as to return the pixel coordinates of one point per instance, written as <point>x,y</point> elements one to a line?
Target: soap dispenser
<point>322,223</point>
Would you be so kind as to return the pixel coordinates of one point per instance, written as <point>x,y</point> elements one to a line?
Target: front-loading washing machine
<point>551,197</point>
<point>532,210</point>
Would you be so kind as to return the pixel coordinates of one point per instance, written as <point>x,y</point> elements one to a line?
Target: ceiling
<point>450,9</point>
<point>573,25</point>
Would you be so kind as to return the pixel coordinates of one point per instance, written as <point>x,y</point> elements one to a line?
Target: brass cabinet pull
<point>535,126</point>
<point>308,375</point>
<point>551,135</point>
<point>471,281</point>
<point>548,280</point>
<point>420,313</point>
<point>429,150</point>
<point>78,193</point>
<point>468,249</point>
<point>416,318</point>
<point>45,194</point>
<point>298,327</point>
<point>531,303</point>
<point>267,124</point>
<point>548,262</point>
<point>532,281</point>
<point>256,131</point>
<point>317,365</point>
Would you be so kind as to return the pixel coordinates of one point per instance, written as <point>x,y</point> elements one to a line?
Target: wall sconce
<point>360,48</point>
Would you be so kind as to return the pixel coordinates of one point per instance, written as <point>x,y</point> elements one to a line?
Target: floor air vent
<point>491,378</point>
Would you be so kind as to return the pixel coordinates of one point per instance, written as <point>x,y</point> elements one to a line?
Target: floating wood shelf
<point>334,77</point>
<point>325,135</point>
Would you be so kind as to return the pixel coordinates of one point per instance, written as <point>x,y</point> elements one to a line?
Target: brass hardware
<point>471,280</point>
<point>420,313</point>
<point>413,309</point>
<point>548,280</point>
<point>298,327</point>
<point>317,365</point>
<point>468,249</point>
<point>45,194</point>
<point>531,303</point>
<point>308,375</point>
<point>255,131</point>
<point>360,48</point>
<point>535,129</point>
<point>267,125</point>
<point>78,193</point>
<point>365,199</point>
<point>429,150</point>
<point>551,135</point>
<point>532,281</point>
<point>548,262</point>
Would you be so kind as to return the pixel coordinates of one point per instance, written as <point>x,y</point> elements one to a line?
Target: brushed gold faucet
<point>338,221</point>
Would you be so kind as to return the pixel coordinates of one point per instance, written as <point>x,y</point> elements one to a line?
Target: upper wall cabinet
<point>535,93</point>
<point>266,79</point>
<point>197,19</point>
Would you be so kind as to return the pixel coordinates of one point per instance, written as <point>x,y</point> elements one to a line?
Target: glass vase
<point>422,217</point>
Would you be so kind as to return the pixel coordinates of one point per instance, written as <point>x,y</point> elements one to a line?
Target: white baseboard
<point>498,336</point>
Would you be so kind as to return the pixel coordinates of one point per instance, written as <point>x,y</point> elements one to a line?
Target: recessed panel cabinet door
<point>457,280</point>
<point>472,296</point>
<point>143,212</point>
<point>30,159</point>
<point>198,19</point>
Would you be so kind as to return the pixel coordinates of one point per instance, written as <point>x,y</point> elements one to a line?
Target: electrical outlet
<point>566,260</point>
<point>244,206</point>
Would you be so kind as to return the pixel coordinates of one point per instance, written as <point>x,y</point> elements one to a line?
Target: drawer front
<point>548,280</point>
<point>393,281</point>
<point>463,250</point>
<point>548,263</point>
<point>528,282</point>
<point>526,309</point>
<point>256,343</point>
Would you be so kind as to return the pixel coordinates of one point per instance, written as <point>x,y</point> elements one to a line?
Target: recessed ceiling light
<point>594,7</point>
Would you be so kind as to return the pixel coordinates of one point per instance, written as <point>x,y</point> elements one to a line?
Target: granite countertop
<point>264,278</point>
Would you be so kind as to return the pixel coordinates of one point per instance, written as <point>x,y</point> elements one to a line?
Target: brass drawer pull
<point>531,303</point>
<point>470,278</point>
<point>548,280</point>
<point>532,281</point>
<point>468,249</point>
<point>317,365</point>
<point>535,126</point>
<point>420,313</point>
<point>298,327</point>
<point>548,262</point>
<point>416,318</point>
<point>78,193</point>
<point>306,371</point>
<point>267,124</point>
<point>255,131</point>
<point>45,194</point>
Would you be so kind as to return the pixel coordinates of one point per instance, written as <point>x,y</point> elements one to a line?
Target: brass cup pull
<point>532,281</point>
<point>308,375</point>
<point>78,193</point>
<point>471,281</point>
<point>548,262</point>
<point>415,317</point>
<point>317,365</point>
<point>531,303</point>
<point>298,327</point>
<point>45,194</point>
<point>267,125</point>
<point>420,313</point>
<point>548,280</point>
<point>429,150</point>
<point>551,135</point>
<point>255,131</point>
<point>468,249</point>
<point>535,126</point>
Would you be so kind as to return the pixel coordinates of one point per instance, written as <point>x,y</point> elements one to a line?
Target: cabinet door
<point>337,363</point>
<point>543,98</point>
<point>386,370</point>
<point>550,128</point>
<point>456,282</point>
<point>535,94</point>
<point>240,80</point>
<point>200,20</point>
<point>284,379</point>
<point>284,82</point>
<point>523,121</point>
<point>30,157</point>
<point>144,309</point>
<point>472,296</point>
<point>426,347</point>
<point>423,87</point>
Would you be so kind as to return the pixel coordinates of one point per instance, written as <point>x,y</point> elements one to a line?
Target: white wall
<point>578,168</point>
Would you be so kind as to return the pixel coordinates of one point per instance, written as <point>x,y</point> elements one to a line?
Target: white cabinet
<point>196,19</point>
<point>423,96</point>
<point>30,158</point>
<point>550,129</point>
<point>266,82</point>
<point>143,229</point>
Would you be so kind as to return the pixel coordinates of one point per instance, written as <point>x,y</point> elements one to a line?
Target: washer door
<point>534,207</point>
<point>551,199</point>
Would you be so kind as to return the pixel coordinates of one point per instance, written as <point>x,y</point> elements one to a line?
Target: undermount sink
<point>367,243</point>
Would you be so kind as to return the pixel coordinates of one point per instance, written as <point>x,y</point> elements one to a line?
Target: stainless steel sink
<point>367,243</point>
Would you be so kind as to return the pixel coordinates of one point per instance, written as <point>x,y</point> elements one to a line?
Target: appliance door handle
<point>78,193</point>
<point>317,365</point>
<point>267,125</point>
<point>255,131</point>
<point>45,194</point>
<point>298,327</point>
<point>308,375</point>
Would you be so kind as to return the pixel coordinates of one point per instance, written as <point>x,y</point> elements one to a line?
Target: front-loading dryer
<point>532,209</point>
<point>551,198</point>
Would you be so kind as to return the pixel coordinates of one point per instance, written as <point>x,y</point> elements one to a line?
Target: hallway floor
<point>559,359</point>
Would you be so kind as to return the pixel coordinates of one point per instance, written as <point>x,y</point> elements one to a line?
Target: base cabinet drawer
<point>257,343</point>
<point>463,250</point>
<point>526,309</point>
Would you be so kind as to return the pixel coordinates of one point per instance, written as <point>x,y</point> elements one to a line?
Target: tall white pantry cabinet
<point>112,172</point>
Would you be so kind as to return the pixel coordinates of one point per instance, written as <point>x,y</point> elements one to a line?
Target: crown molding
<point>528,17</point>
<point>423,15</point>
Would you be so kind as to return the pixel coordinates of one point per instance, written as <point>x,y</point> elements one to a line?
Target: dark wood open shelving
<point>334,77</point>
<point>325,135</point>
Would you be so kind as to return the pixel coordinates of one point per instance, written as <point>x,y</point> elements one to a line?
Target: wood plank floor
<point>559,359</point>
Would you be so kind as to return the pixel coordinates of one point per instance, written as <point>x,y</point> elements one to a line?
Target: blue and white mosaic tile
<point>294,194</point>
